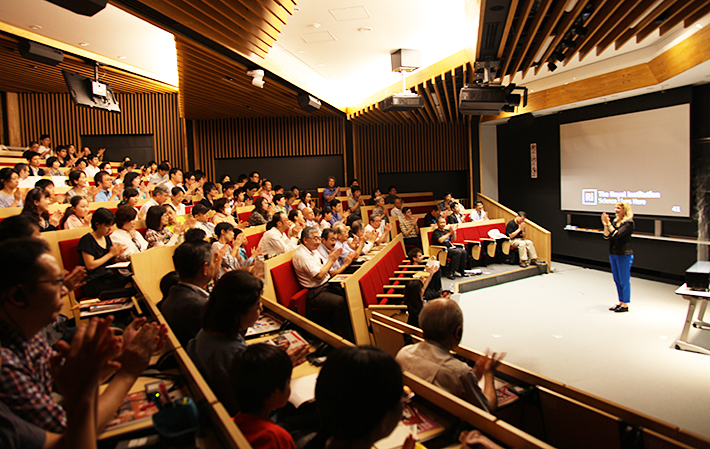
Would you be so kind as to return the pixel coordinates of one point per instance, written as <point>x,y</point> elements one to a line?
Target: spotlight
<point>551,66</point>
<point>508,108</point>
<point>257,77</point>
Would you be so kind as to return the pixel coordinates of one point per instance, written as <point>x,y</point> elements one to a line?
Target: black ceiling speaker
<point>39,52</point>
<point>83,7</point>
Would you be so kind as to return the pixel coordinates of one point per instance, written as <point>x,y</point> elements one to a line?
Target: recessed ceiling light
<point>35,27</point>
<point>121,57</point>
<point>302,51</point>
<point>320,65</point>
<point>574,78</point>
<point>365,29</point>
<point>697,25</point>
<point>83,44</point>
<point>296,8</point>
<point>314,25</point>
<point>531,91</point>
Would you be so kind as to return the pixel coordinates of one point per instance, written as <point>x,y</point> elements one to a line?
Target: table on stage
<point>694,297</point>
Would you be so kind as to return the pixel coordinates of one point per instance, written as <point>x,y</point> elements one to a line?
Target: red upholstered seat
<point>70,260</point>
<point>142,231</point>
<point>368,289</point>
<point>289,292</point>
<point>253,242</point>
<point>244,216</point>
<point>188,209</point>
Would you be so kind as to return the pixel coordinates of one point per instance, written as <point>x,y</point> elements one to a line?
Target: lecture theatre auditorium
<point>558,108</point>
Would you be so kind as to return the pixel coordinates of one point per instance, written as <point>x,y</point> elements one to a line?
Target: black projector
<point>697,277</point>
<point>403,101</point>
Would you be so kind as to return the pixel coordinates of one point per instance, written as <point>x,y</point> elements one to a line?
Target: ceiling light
<point>35,27</point>
<point>365,29</point>
<point>83,44</point>
<point>302,51</point>
<point>320,65</point>
<point>551,66</point>
<point>314,25</point>
<point>698,25</point>
<point>257,77</point>
<point>296,8</point>
<point>121,57</point>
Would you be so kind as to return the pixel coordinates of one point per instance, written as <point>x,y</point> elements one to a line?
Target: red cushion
<point>244,216</point>
<point>286,284</point>
<point>367,289</point>
<point>71,259</point>
<point>142,231</point>
<point>188,209</point>
<point>253,242</point>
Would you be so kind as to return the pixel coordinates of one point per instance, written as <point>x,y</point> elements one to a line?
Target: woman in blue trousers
<point>621,256</point>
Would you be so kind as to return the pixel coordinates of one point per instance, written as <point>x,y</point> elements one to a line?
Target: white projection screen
<point>642,158</point>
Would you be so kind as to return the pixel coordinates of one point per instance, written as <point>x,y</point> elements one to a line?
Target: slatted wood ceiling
<point>213,86</point>
<point>408,148</point>
<point>266,137</point>
<point>56,115</point>
<point>22,75</point>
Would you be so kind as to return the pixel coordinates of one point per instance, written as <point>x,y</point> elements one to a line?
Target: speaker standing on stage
<point>621,255</point>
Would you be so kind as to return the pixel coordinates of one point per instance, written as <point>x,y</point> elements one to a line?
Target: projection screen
<point>642,158</point>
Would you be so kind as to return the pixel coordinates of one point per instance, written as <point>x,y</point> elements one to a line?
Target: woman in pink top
<point>77,214</point>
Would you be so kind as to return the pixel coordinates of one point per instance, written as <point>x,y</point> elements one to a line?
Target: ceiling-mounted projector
<point>403,101</point>
<point>489,100</point>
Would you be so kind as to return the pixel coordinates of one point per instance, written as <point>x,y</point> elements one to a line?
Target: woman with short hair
<point>158,234</point>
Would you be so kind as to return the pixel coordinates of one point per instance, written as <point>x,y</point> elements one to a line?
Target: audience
<point>329,239</point>
<point>262,212</point>
<point>390,199</point>
<point>355,202</point>
<point>96,252</point>
<point>441,321</point>
<point>224,235</point>
<point>306,200</point>
<point>161,175</point>
<point>196,266</point>
<point>433,288</point>
<point>199,212</point>
<point>53,166</point>
<point>222,213</point>
<point>158,233</point>
<point>330,192</point>
<point>37,208</point>
<point>432,217</point>
<point>107,191</point>
<point>410,229</point>
<point>261,380</point>
<point>10,195</point>
<point>126,235</point>
<point>515,230</point>
<point>133,179</point>
<point>379,228</point>
<point>77,214</point>
<point>478,214</point>
<point>359,398</point>
<point>93,166</point>
<point>275,240</point>
<point>266,190</point>
<point>176,201</point>
<point>211,193</point>
<point>34,161</point>
<point>161,195</point>
<point>442,237</point>
<point>77,180</point>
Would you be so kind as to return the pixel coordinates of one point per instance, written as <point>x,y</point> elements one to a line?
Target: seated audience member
<point>448,199</point>
<point>176,201</point>
<point>250,189</point>
<point>34,161</point>
<point>410,229</point>
<point>275,241</point>
<point>199,212</point>
<point>355,202</point>
<point>357,237</point>
<point>262,212</point>
<point>397,211</point>
<point>296,191</point>
<point>379,228</point>
<point>310,216</point>
<point>242,178</point>
<point>79,183</point>
<point>224,235</point>
<point>211,193</point>
<point>389,199</point>
<point>17,227</point>
<point>107,191</point>
<point>130,198</point>
<point>233,306</point>
<point>325,220</point>
<point>158,233</point>
<point>359,398</point>
<point>106,166</point>
<point>442,237</point>
<point>240,198</point>
<point>296,219</point>
<point>126,234</point>
<point>161,195</point>
<point>341,243</point>
<point>53,166</point>
<point>306,200</point>
<point>31,290</point>
<point>375,194</point>
<point>196,266</point>
<point>228,189</point>
<point>81,164</point>
<point>329,239</point>
<point>174,179</point>
<point>222,213</point>
<point>380,208</point>
<point>280,203</point>
<point>456,217</point>
<point>432,217</point>
<point>266,190</point>
<point>96,252</point>
<point>93,166</point>
<point>23,170</point>
<point>223,179</point>
<point>278,189</point>
<point>48,186</point>
<point>77,214</point>
<point>261,380</point>
<point>515,230</point>
<point>290,199</point>
<point>339,216</point>
<point>441,321</point>
<point>312,272</point>
<point>166,283</point>
<point>37,208</point>
<point>161,175</point>
<point>478,214</point>
<point>133,179</point>
<point>254,177</point>
<point>415,294</point>
<point>433,288</point>
<point>330,192</point>
<point>10,195</point>
<point>62,155</point>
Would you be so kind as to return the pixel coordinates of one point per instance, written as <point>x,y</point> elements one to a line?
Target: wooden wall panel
<point>408,148</point>
<point>266,137</point>
<point>56,115</point>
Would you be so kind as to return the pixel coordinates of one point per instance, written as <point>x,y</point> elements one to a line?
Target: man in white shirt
<point>93,166</point>
<point>328,242</point>
<point>312,272</point>
<point>175,179</point>
<point>378,227</point>
<point>478,214</point>
<point>160,195</point>
<point>161,176</point>
<point>397,209</point>
<point>274,241</point>
<point>310,217</point>
<point>45,150</point>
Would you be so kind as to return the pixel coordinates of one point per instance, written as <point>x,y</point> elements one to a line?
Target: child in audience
<point>261,379</point>
<point>10,195</point>
<point>199,212</point>
<point>77,214</point>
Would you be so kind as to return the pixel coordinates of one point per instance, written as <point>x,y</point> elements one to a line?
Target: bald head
<point>440,320</point>
<point>308,214</point>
